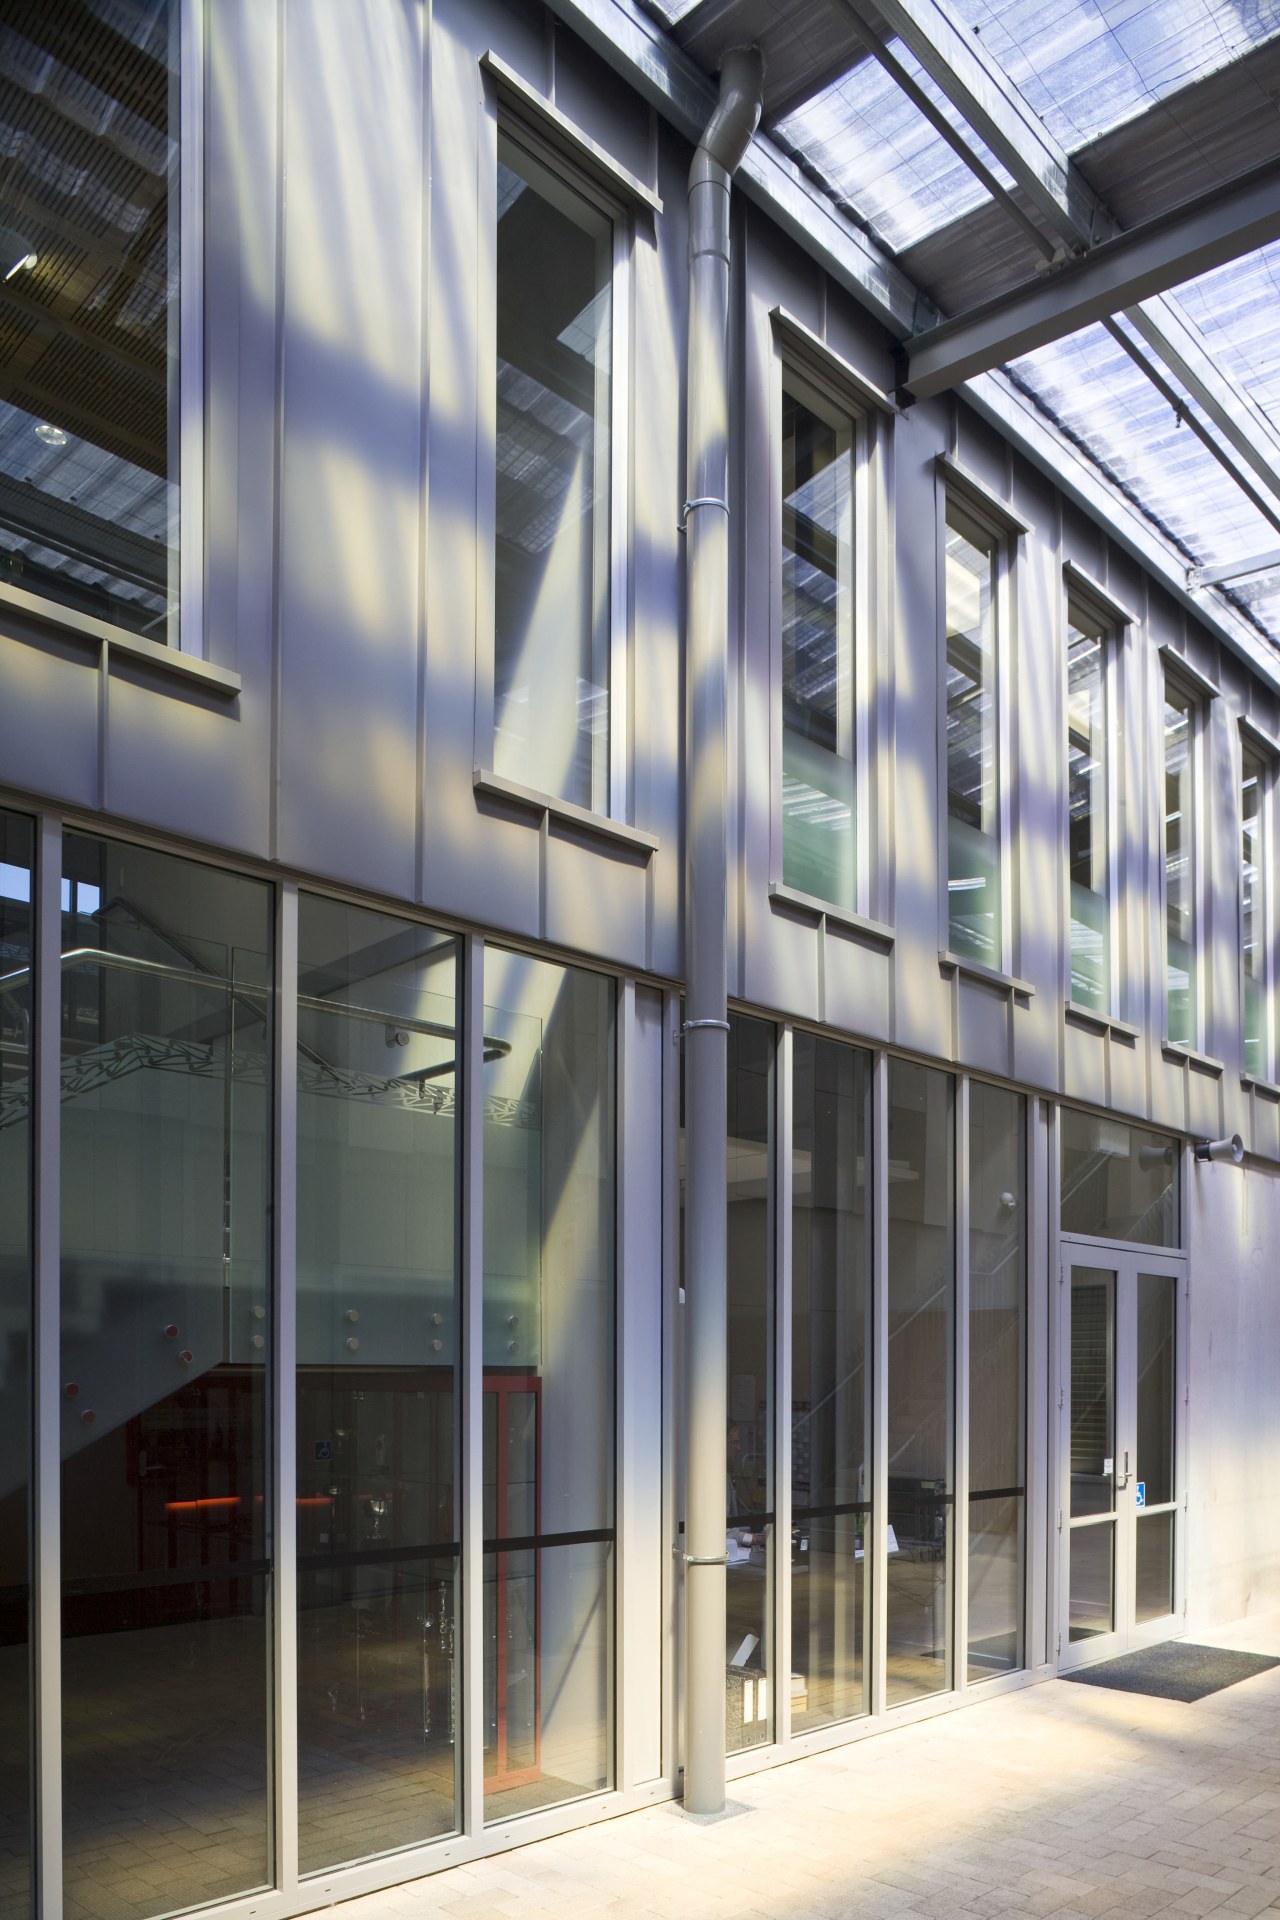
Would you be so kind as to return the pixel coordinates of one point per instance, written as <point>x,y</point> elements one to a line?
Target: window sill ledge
<point>1178,1050</point>
<point>1081,1016</point>
<point>874,931</point>
<point>495,787</point>
<point>1254,1084</point>
<point>989,976</point>
<point>118,641</point>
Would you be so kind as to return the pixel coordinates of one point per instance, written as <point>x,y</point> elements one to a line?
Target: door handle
<point>1122,1478</point>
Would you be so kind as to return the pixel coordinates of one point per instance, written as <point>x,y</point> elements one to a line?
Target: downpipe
<point>706,1033</point>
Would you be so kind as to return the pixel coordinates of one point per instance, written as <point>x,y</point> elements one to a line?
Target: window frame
<point>837,393</point>
<point>1264,752</point>
<point>517,112</point>
<point>1084,596</point>
<point>962,490</point>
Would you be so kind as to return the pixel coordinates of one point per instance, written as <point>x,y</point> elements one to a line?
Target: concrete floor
<point>1057,1801</point>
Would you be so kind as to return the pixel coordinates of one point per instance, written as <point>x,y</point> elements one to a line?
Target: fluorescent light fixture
<point>17,255</point>
<point>51,435</point>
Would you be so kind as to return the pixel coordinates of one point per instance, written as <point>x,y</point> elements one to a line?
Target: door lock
<point>1122,1478</point>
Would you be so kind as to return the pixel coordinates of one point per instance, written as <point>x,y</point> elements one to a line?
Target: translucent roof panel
<point>1087,66</point>
<point>1101,397</point>
<point>1235,308</point>
<point>878,153</point>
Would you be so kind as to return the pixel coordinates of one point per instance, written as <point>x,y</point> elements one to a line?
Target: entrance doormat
<point>1177,1670</point>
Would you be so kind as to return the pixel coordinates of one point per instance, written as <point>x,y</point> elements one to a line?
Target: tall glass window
<point>1088,838</point>
<point>749,1531</point>
<point>1254,909</point>
<point>830,1380</point>
<point>89,309</point>
<point>818,755</point>
<point>378,1547</point>
<point>555,336</point>
<point>166,1337</point>
<point>973,746</point>
<point>15,1352</point>
<point>1181,959</point>
<point>997,1373</point>
<point>549,1394</point>
<point>921,1379</point>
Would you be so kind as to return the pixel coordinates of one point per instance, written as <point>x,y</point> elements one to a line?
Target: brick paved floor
<point>1059,1801</point>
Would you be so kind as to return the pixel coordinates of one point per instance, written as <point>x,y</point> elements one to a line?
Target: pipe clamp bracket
<point>703,500</point>
<point>691,1026</point>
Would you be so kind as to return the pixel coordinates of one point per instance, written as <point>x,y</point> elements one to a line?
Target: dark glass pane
<point>166,1325</point>
<point>1157,1298</point>
<point>921,1378</point>
<point>830,1385</point>
<point>1118,1182</point>
<point>551,643</point>
<point>1093,1391</point>
<point>89,308</point>
<point>1153,1572</point>
<point>1091,1605</point>
<point>16,850</point>
<point>549,1316</point>
<point>997,1358</point>
<point>973,754</point>
<point>377,1352</point>
<point>817,653</point>
<point>749,1439</point>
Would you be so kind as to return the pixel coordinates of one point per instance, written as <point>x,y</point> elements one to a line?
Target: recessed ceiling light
<point>51,435</point>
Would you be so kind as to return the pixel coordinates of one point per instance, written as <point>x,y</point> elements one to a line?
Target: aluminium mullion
<point>46,1503</point>
<point>1038,1402</point>
<point>617,539</point>
<point>285,1393</point>
<point>782,1385</point>
<point>618,1741</point>
<point>877,1537</point>
<point>960,1425</point>
<point>471,1464</point>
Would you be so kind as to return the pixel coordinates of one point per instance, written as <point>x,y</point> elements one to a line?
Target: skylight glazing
<point>1087,66</point>
<point>879,154</point>
<point>1092,388</point>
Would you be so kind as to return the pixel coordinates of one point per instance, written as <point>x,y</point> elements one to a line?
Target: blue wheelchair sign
<point>1140,1494</point>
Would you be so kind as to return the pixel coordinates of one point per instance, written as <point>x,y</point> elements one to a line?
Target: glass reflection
<point>166,1324</point>
<point>749,1451</point>
<point>1253,916</point>
<point>921,1376</point>
<point>16,850</point>
<point>89,259</point>
<point>1088,840</point>
<point>818,854</point>
<point>830,1387</point>
<point>549,1315</point>
<point>997,1350</point>
<point>1118,1182</point>
<point>1155,1435</point>
<point>554,336</point>
<point>973,753</point>
<point>377,1352</point>
<point>1182,990</point>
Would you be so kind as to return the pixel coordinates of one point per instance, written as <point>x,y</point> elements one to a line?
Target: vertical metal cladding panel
<point>857,981</point>
<point>1038,810</point>
<point>49,713</point>
<point>595,896</point>
<point>922,997</point>
<point>1084,1065</point>
<point>351,513</point>
<point>754,968</point>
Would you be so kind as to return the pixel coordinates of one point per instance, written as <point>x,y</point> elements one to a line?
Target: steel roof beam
<point>985,97</point>
<point>1267,562</point>
<point>1201,234</point>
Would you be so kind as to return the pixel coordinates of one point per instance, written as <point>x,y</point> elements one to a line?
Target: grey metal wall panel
<point>857,981</point>
<point>596,898</point>
<point>184,760</point>
<point>1084,1066</point>
<point>49,698</point>
<point>351,509</point>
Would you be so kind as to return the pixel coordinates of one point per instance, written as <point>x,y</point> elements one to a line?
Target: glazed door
<point>1121,1450</point>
